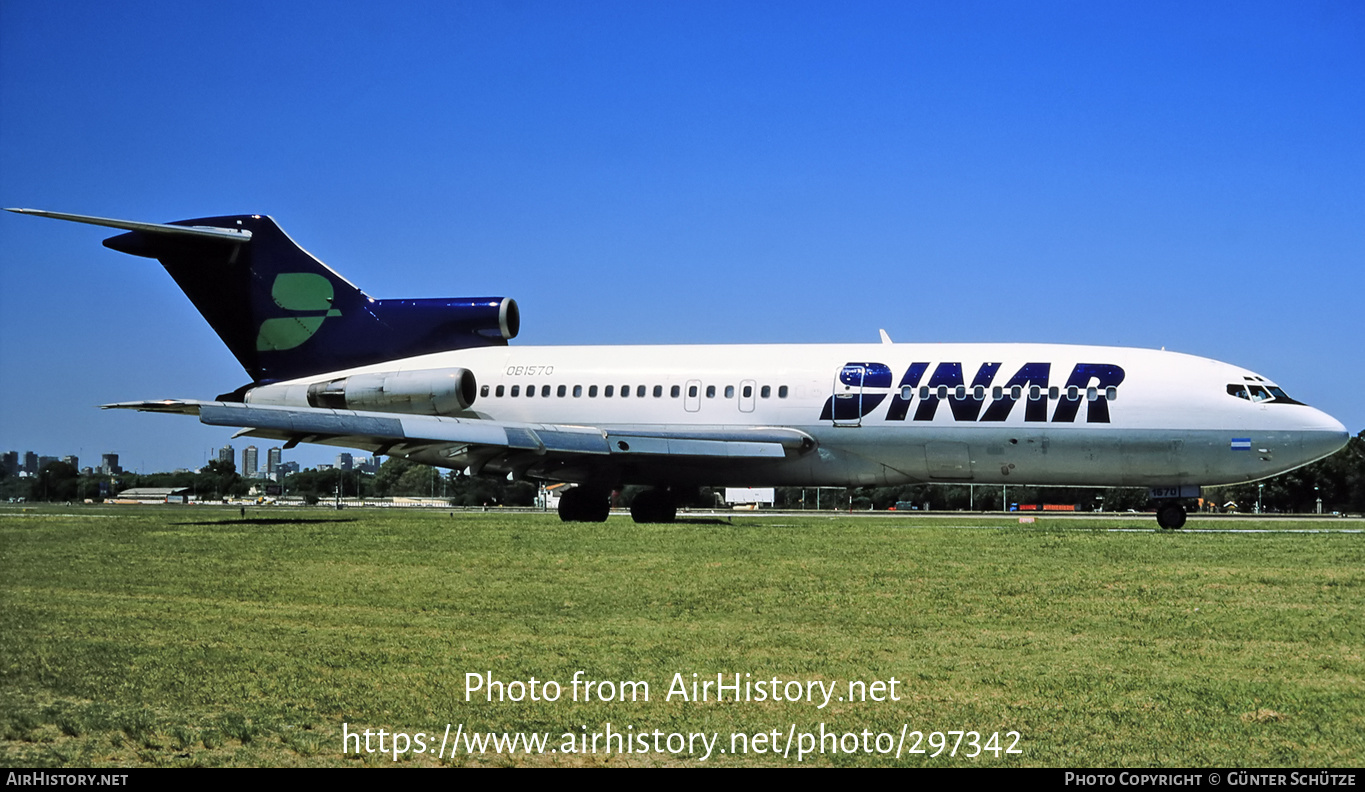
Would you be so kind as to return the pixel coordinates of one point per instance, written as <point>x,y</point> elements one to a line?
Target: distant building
<point>227,454</point>
<point>287,469</point>
<point>30,463</point>
<point>109,465</point>
<point>249,465</point>
<point>74,462</point>
<point>273,458</point>
<point>345,461</point>
<point>44,461</point>
<point>10,463</point>
<point>154,495</point>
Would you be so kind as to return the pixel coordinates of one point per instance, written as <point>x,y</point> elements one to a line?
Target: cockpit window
<point>1280,396</point>
<point>1261,394</point>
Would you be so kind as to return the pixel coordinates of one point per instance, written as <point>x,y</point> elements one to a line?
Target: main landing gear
<point>654,506</point>
<point>1171,515</point>
<point>585,504</point>
<point>590,504</point>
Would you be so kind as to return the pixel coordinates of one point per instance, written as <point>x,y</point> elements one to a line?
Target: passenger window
<point>516,391</point>
<point>766,391</point>
<point>640,391</point>
<point>530,391</point>
<point>692,391</point>
<point>592,391</point>
<point>997,392</point>
<point>960,392</point>
<point>978,391</point>
<point>545,391</point>
<point>675,391</point>
<point>942,391</point>
<point>658,391</point>
<point>577,391</point>
<point>924,391</point>
<point>1034,393</point>
<point>625,391</point>
<point>561,391</point>
<point>782,392</point>
<point>483,391</point>
<point>1016,392</point>
<point>1111,393</point>
<point>1053,392</point>
<point>608,391</point>
<point>729,391</point>
<point>748,391</point>
<point>499,392</point>
<point>710,391</point>
<point>1072,393</point>
<point>1092,394</point>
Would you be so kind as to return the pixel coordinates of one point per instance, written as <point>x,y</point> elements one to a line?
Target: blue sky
<point>1155,174</point>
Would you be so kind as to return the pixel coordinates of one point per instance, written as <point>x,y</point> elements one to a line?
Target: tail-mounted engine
<point>425,392</point>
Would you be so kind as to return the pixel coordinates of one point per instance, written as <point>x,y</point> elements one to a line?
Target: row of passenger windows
<point>1016,392</point>
<point>978,392</point>
<point>641,391</point>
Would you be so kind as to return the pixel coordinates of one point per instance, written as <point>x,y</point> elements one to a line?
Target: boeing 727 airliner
<point>435,381</point>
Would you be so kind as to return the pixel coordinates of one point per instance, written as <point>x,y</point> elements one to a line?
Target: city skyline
<point>29,463</point>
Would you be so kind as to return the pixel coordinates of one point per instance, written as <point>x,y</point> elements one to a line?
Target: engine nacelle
<point>423,392</point>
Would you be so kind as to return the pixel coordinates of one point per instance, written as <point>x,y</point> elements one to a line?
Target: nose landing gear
<point>1171,515</point>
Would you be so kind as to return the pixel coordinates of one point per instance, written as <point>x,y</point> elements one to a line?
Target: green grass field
<point>178,636</point>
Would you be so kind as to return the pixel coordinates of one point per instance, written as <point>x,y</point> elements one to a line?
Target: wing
<point>556,452</point>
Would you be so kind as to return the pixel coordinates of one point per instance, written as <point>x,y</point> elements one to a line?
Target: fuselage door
<point>847,409</point>
<point>746,396</point>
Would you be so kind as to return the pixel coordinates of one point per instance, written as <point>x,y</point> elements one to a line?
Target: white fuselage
<point>885,414</point>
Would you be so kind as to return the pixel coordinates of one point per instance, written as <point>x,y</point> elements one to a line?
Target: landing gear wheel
<point>654,506</point>
<point>581,504</point>
<point>1171,516</point>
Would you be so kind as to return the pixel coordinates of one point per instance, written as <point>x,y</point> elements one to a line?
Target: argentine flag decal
<point>1241,444</point>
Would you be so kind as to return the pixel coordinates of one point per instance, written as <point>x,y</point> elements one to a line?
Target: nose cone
<point>1322,435</point>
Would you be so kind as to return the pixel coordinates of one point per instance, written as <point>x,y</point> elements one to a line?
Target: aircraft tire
<point>571,506</point>
<point>582,504</point>
<point>1171,516</point>
<point>596,506</point>
<point>654,506</point>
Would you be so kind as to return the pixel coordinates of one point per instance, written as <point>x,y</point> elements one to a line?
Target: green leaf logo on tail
<point>307,294</point>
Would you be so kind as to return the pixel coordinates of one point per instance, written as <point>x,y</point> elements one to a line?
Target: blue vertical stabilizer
<point>283,313</point>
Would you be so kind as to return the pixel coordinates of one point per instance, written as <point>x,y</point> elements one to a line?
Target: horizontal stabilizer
<point>203,232</point>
